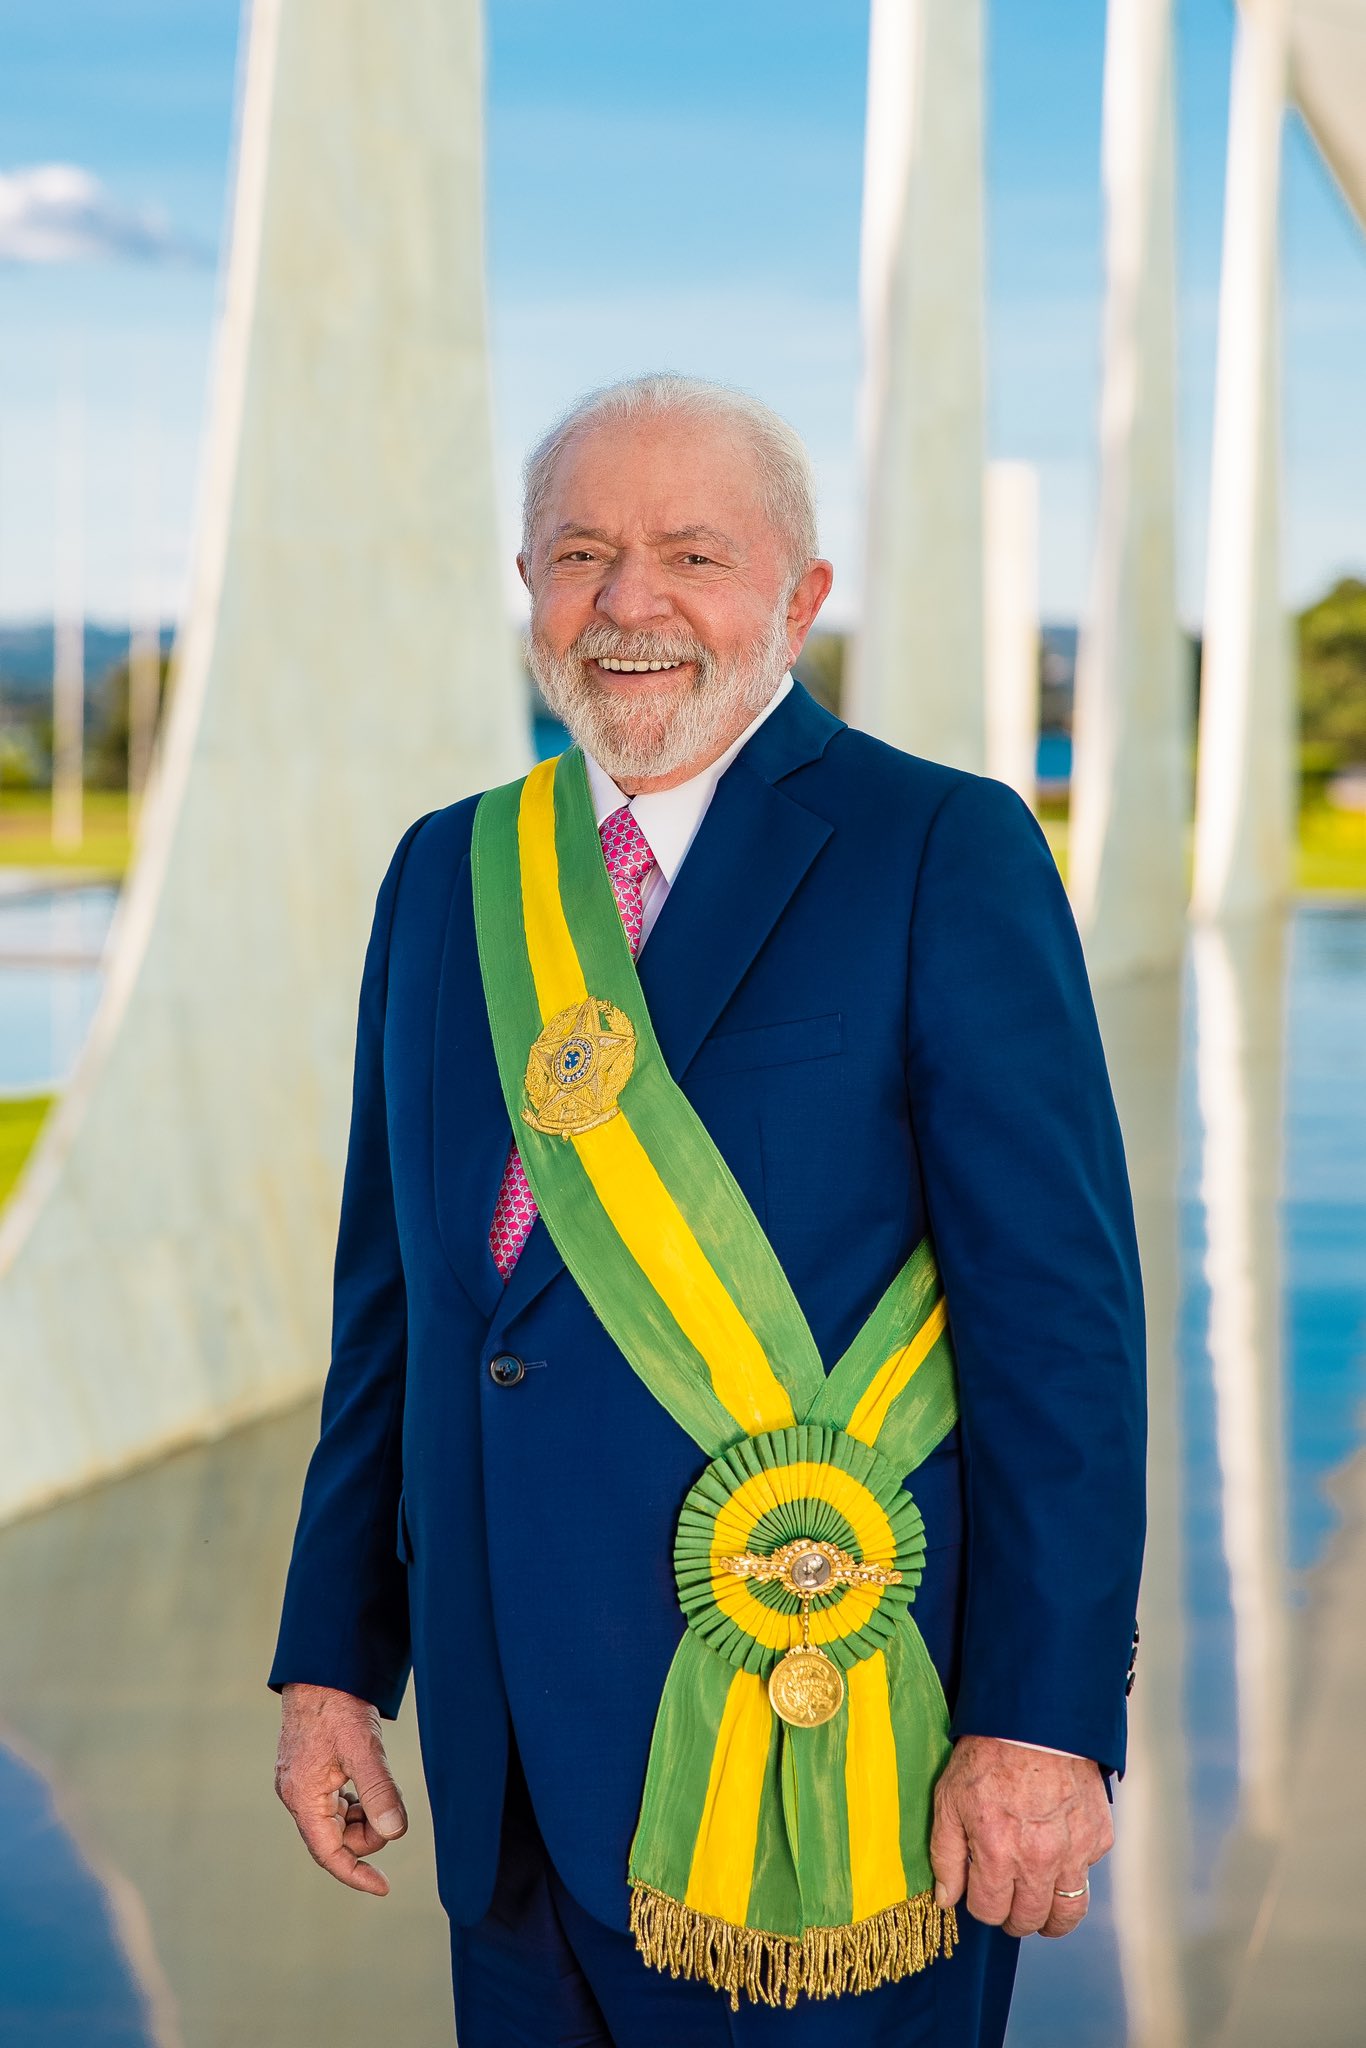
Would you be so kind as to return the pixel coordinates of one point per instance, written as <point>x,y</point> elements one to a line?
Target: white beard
<point>655,734</point>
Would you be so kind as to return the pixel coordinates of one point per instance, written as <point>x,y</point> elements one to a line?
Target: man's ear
<point>806,600</point>
<point>522,570</point>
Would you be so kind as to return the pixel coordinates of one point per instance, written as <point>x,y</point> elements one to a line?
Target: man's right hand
<point>332,1774</point>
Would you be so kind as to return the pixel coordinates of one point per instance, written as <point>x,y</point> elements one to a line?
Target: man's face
<point>653,547</point>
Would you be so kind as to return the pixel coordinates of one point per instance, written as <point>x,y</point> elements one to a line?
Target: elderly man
<point>735,1413</point>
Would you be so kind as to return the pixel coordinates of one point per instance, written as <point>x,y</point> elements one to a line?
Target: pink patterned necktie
<point>629,861</point>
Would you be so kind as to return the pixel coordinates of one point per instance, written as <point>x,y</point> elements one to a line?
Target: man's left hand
<point>1014,1828</point>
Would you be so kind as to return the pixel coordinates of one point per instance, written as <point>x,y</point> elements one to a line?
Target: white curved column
<point>1149,1867</point>
<point>1131,739</point>
<point>164,1264</point>
<point>1245,790</point>
<point>916,675</point>
<point>1239,990</point>
<point>1328,79</point>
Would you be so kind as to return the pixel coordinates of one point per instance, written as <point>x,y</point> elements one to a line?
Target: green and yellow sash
<point>783,1840</point>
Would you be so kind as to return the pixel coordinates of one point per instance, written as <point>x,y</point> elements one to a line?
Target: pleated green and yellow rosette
<point>770,1859</point>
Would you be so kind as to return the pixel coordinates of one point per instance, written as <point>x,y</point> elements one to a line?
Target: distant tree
<point>820,668</point>
<point>19,765</point>
<point>1332,650</point>
<point>41,736</point>
<point>106,749</point>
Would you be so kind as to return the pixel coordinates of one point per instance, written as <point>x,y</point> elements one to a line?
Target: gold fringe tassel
<point>774,1969</point>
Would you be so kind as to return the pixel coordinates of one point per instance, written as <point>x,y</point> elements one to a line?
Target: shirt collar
<point>669,818</point>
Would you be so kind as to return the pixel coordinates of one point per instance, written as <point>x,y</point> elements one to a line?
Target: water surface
<point>138,1619</point>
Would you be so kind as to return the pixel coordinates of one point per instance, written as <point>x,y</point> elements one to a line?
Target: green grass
<point>1330,856</point>
<point>1054,825</point>
<point>1332,850</point>
<point>26,832</point>
<point>21,1119</point>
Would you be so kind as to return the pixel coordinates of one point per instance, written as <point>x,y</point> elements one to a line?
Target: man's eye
<point>704,560</point>
<point>577,555</point>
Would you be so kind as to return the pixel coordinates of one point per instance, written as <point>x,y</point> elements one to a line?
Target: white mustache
<point>599,643</point>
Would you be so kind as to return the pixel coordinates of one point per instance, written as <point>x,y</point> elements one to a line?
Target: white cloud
<point>59,213</point>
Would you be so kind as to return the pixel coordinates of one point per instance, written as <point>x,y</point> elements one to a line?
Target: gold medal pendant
<point>578,1067</point>
<point>805,1687</point>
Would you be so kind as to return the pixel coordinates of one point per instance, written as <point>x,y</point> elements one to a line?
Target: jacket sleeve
<point>345,1619</point>
<point>1030,1212</point>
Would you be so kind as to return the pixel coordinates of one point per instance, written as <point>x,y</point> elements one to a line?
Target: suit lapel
<point>751,852</point>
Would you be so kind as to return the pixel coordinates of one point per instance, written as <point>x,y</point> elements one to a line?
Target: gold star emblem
<point>578,1067</point>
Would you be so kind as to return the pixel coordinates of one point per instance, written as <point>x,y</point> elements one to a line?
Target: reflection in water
<point>1238,980</point>
<point>69,996</point>
<point>1141,1022</point>
<point>60,1925</point>
<point>50,945</point>
<point>137,1620</point>
<point>1244,1112</point>
<point>1121,1981</point>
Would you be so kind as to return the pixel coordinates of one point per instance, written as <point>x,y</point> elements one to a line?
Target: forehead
<point>661,475</point>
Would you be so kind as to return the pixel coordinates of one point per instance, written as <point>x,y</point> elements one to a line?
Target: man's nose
<point>633,595</point>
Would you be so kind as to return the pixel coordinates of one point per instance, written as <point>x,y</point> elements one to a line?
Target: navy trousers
<point>539,1972</point>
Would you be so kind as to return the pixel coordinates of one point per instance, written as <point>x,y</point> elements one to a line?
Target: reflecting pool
<point>167,1896</point>
<point>1242,1088</point>
<point>51,940</point>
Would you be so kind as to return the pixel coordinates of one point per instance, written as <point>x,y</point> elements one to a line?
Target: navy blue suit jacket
<point>867,980</point>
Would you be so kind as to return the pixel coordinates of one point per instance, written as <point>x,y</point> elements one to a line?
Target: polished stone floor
<point>152,1892</point>
<point>137,1623</point>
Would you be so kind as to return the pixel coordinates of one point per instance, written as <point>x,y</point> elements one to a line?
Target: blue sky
<point>666,185</point>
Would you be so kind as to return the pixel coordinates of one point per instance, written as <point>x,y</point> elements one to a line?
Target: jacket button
<point>505,1370</point>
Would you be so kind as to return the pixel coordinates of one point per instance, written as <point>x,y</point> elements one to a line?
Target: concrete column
<point>916,676</point>
<point>345,665</point>
<point>1246,785</point>
<point>1240,1056</point>
<point>1131,737</point>
<point>1012,625</point>
<point>1149,1867</point>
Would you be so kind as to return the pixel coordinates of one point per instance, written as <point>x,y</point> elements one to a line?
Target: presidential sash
<point>783,1840</point>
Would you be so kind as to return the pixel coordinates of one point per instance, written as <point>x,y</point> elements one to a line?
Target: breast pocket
<point>771,1045</point>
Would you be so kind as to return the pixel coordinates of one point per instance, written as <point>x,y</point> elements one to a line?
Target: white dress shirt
<point>669,818</point>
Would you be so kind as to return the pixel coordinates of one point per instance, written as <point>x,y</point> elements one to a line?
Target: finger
<point>358,1834</point>
<point>1065,1914</point>
<point>948,1856</point>
<point>376,1791</point>
<point>361,1838</point>
<point>991,1890</point>
<point>323,1840</point>
<point>1030,1906</point>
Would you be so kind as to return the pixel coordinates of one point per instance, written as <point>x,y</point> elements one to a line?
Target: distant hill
<point>26,658</point>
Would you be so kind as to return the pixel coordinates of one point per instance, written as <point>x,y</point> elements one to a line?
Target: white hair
<point>787,490</point>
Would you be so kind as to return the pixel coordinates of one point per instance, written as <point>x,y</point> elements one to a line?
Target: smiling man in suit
<point>735,1414</point>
